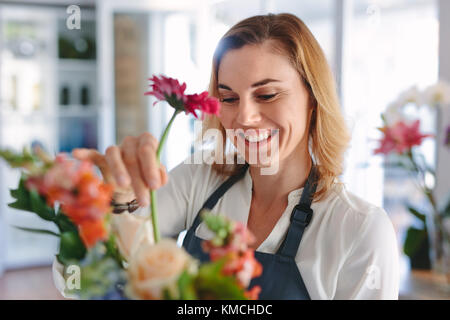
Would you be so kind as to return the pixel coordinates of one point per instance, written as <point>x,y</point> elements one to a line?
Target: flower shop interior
<point>74,76</point>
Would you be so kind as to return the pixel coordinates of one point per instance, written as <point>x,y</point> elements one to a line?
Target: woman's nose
<point>248,113</point>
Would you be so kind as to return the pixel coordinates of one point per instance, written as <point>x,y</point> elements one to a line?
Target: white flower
<point>437,94</point>
<point>131,232</point>
<point>412,95</point>
<point>155,267</point>
<point>393,113</point>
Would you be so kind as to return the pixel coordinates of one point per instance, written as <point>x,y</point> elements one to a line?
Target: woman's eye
<point>228,100</point>
<point>267,96</point>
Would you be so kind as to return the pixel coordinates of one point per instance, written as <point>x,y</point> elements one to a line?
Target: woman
<point>314,238</point>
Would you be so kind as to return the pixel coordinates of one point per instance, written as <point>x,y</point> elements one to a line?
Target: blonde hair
<point>328,134</point>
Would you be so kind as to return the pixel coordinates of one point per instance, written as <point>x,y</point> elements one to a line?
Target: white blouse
<point>348,251</point>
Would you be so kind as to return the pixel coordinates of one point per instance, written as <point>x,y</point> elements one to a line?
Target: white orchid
<point>412,95</point>
<point>393,113</point>
<point>437,94</point>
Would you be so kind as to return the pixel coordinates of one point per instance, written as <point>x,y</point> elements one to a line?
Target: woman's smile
<point>257,138</point>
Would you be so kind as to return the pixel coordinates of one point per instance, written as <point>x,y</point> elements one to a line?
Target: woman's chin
<point>258,161</point>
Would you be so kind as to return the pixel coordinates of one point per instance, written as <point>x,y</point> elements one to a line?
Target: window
<point>390,46</point>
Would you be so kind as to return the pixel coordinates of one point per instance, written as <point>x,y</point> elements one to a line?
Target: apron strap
<point>300,217</point>
<point>217,194</point>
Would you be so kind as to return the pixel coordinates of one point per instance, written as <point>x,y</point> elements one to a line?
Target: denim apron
<point>281,279</point>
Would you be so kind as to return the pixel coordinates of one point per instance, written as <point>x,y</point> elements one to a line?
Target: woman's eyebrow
<point>222,86</point>
<point>263,82</point>
<point>256,84</point>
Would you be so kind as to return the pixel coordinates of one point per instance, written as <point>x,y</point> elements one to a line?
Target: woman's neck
<point>292,174</point>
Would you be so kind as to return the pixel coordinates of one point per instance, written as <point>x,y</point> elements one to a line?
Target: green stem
<point>436,217</point>
<point>153,204</point>
<point>154,214</point>
<point>165,134</point>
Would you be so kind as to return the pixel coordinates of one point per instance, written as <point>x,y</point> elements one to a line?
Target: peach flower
<point>131,231</point>
<point>156,267</point>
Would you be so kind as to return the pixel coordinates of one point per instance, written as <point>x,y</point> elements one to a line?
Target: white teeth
<point>257,138</point>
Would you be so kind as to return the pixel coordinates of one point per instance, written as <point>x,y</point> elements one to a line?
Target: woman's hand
<point>131,168</point>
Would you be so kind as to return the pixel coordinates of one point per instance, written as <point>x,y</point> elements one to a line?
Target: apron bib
<point>281,279</point>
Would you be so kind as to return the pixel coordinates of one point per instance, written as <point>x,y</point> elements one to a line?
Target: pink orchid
<point>400,137</point>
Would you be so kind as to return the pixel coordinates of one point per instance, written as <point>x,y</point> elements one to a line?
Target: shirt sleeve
<point>371,270</point>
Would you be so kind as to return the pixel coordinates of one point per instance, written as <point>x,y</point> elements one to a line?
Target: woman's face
<point>260,90</point>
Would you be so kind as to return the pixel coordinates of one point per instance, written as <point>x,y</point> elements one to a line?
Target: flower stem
<point>440,233</point>
<point>153,204</point>
<point>165,134</point>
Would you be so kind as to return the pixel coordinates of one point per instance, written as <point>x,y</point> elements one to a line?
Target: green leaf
<point>30,200</point>
<point>17,160</point>
<point>22,196</point>
<point>21,191</point>
<point>64,223</point>
<point>112,250</point>
<point>186,286</point>
<point>418,215</point>
<point>413,240</point>
<point>42,231</point>
<point>219,224</point>
<point>40,207</point>
<point>20,205</point>
<point>71,247</point>
<point>212,284</point>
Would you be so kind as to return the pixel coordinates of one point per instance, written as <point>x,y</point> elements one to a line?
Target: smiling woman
<point>297,82</point>
<point>313,238</point>
<point>273,81</point>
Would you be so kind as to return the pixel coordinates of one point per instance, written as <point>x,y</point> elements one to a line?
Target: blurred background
<point>65,87</point>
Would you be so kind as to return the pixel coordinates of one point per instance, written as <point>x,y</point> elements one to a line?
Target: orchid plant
<point>401,137</point>
<point>171,91</point>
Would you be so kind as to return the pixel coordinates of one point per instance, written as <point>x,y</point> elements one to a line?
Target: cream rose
<point>155,267</point>
<point>131,231</point>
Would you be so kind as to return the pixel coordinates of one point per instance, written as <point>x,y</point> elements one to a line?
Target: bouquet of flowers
<point>401,137</point>
<point>107,256</point>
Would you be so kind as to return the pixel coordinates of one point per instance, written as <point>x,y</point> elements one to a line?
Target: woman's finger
<point>117,166</point>
<point>129,156</point>
<point>164,176</point>
<point>82,153</point>
<point>148,164</point>
<point>97,158</point>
